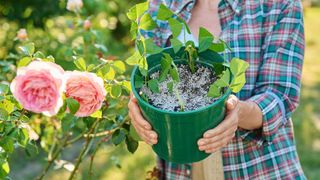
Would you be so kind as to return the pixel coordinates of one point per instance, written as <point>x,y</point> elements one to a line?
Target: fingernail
<point>153,136</point>
<point>201,143</point>
<point>207,135</point>
<point>201,148</point>
<point>146,127</point>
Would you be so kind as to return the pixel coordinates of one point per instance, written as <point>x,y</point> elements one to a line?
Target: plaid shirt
<point>269,35</point>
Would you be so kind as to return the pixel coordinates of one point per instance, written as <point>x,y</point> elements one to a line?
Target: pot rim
<point>140,100</point>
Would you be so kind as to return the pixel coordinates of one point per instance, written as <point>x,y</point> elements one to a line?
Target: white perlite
<point>192,88</point>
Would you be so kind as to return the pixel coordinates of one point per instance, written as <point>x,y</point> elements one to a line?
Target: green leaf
<point>7,143</point>
<point>127,86</point>
<point>133,30</point>
<point>7,105</point>
<point>4,89</point>
<point>174,74</point>
<point>238,68</point>
<point>68,122</point>
<point>133,133</point>
<point>138,81</point>
<point>118,136</point>
<point>24,61</point>
<point>3,114</point>
<point>165,66</point>
<point>136,11</point>
<point>132,145</point>
<point>205,39</point>
<point>80,63</point>
<point>185,24</point>
<point>143,66</point>
<point>217,47</point>
<point>153,84</point>
<point>144,97</point>
<point>49,59</point>
<point>141,8</point>
<point>91,67</point>
<point>170,86</point>
<point>23,137</point>
<point>151,47</point>
<point>119,67</point>
<point>97,114</point>
<point>224,80</point>
<point>116,91</point>
<point>110,74</point>
<point>31,149</point>
<point>176,45</point>
<point>147,23</point>
<point>39,54</point>
<point>132,13</point>
<point>72,105</point>
<point>175,27</point>
<point>140,45</point>
<point>27,49</point>
<point>164,13</point>
<point>214,91</point>
<point>134,59</point>
<point>4,168</point>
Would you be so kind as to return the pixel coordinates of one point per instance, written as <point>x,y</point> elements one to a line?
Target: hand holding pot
<point>142,126</point>
<point>220,136</point>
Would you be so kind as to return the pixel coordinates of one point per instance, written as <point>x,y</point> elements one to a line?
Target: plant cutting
<point>181,90</point>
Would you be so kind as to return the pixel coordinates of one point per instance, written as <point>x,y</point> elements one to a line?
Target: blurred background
<point>49,25</point>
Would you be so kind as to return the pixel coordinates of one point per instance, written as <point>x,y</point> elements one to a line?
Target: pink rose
<point>87,89</point>
<point>39,87</point>
<point>22,34</point>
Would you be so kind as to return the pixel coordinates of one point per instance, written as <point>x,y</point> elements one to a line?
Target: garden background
<point>49,25</point>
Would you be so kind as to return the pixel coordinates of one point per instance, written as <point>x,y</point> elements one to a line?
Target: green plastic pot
<point>178,132</point>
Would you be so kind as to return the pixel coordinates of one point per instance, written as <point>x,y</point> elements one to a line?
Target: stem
<point>54,157</point>
<point>94,153</point>
<point>84,149</point>
<point>181,103</point>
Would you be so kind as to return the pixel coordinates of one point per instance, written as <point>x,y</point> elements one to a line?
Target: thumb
<point>133,98</point>
<point>232,102</point>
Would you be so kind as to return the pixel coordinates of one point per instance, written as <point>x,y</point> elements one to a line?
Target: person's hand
<point>220,136</point>
<point>142,126</point>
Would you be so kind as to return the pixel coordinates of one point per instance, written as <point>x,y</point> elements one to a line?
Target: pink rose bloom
<point>39,87</point>
<point>87,89</point>
<point>22,34</point>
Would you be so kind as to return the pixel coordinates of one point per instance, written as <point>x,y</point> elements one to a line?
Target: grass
<point>306,121</point>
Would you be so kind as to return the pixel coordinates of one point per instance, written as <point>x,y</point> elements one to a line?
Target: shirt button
<point>188,172</point>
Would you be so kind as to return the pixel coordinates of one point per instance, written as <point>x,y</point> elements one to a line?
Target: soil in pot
<point>192,89</point>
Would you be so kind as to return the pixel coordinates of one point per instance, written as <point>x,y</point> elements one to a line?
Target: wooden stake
<point>210,168</point>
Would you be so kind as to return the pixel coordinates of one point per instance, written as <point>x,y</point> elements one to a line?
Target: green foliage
<point>153,84</point>
<point>147,23</point>
<point>72,105</point>
<point>118,136</point>
<point>238,68</point>
<point>175,26</point>
<point>27,49</point>
<point>176,44</point>
<point>205,39</point>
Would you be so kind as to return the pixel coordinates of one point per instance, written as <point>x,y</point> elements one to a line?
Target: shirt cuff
<point>273,117</point>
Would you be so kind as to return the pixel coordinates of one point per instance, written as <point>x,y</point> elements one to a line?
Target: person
<point>256,137</point>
